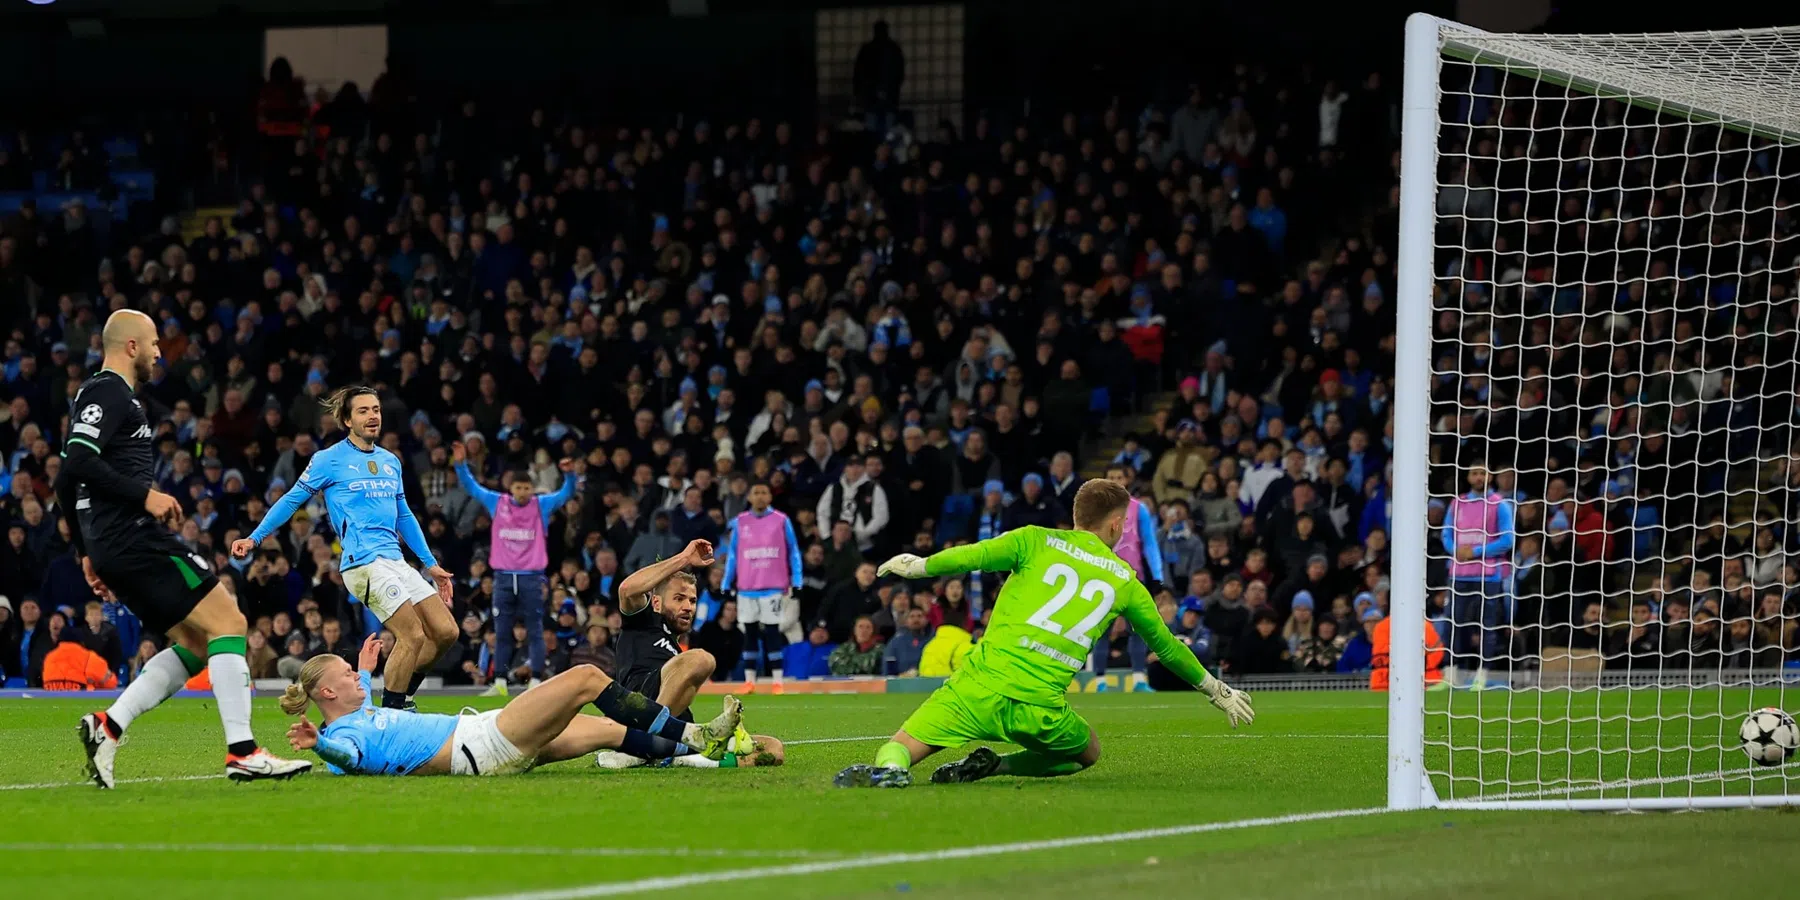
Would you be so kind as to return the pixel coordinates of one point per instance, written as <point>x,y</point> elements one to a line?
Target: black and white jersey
<point>644,644</point>
<point>107,419</point>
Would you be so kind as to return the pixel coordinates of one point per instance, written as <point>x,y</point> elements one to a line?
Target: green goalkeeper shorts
<point>962,711</point>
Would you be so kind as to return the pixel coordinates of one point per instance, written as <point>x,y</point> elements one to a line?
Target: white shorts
<point>478,747</point>
<point>385,585</point>
<point>767,610</point>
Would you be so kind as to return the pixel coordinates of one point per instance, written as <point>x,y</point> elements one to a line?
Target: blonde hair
<point>298,694</point>
<point>1099,500</point>
<point>338,403</point>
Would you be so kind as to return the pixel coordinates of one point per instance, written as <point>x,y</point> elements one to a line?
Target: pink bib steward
<point>1476,522</point>
<point>760,543</point>
<point>1131,544</point>
<point>518,537</point>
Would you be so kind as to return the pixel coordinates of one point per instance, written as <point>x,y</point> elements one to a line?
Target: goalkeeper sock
<point>638,711</point>
<point>893,755</point>
<point>159,680</point>
<point>1031,764</point>
<point>231,687</point>
<point>644,745</point>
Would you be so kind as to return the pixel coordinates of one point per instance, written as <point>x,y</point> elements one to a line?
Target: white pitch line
<point>62,784</point>
<point>439,849</point>
<point>662,883</point>
<point>1104,736</point>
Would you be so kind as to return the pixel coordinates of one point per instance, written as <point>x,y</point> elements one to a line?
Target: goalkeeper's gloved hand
<point>1235,704</point>
<point>906,565</point>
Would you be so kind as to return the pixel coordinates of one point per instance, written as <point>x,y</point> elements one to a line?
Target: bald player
<point>120,527</point>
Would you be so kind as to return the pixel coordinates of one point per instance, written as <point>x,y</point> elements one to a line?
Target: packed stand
<point>910,337</point>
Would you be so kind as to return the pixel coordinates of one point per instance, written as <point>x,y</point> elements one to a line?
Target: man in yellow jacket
<point>945,652</point>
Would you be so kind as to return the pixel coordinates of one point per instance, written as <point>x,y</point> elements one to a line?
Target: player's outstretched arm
<point>280,513</point>
<point>639,583</point>
<point>1140,611</point>
<point>1000,554</point>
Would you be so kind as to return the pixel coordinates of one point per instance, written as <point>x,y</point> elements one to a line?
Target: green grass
<point>1169,761</point>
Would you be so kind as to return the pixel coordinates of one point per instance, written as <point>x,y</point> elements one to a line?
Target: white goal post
<point>1596,325</point>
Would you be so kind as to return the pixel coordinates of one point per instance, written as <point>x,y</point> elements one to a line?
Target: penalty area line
<point>670,882</point>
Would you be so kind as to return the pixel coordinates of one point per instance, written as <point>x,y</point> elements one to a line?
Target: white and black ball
<point>1769,736</point>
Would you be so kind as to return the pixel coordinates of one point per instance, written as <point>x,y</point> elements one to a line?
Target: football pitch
<point>1178,806</point>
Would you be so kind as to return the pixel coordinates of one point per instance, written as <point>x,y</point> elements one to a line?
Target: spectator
<point>1321,650</point>
<point>861,654</point>
<point>810,658</point>
<point>26,645</point>
<point>851,602</point>
<point>1261,650</point>
<point>722,637</point>
<point>907,647</point>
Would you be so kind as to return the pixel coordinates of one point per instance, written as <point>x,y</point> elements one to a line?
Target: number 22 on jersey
<point>1068,586</point>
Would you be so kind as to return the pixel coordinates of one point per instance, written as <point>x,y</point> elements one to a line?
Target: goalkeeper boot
<point>864,775</point>
<point>980,763</point>
<point>742,743</point>
<point>100,747</point>
<point>613,759</point>
<point>715,736</point>
<point>262,766</point>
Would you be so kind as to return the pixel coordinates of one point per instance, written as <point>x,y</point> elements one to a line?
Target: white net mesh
<point>1614,340</point>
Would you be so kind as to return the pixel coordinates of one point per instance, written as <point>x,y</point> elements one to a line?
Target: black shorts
<point>650,684</point>
<point>157,577</point>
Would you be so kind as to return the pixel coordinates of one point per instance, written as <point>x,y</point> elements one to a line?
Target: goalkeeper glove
<point>906,565</point>
<point>1235,704</point>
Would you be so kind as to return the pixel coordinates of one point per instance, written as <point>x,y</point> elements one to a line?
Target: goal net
<point>1597,415</point>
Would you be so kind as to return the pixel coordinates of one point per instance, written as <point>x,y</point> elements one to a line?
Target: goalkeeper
<point>1064,591</point>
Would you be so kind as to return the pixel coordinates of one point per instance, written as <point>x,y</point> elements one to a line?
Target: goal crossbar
<point>1664,85</point>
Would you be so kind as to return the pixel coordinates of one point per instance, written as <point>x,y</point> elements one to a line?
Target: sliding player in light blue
<point>366,501</point>
<point>521,518</point>
<point>763,562</point>
<point>542,726</point>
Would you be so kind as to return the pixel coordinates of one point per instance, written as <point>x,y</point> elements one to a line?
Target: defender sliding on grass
<point>543,725</point>
<point>116,523</point>
<point>1060,597</point>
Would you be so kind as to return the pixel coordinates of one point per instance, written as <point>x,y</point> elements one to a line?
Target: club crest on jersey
<point>373,468</point>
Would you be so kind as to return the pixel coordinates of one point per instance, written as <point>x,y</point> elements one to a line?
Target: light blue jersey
<point>377,741</point>
<point>365,499</point>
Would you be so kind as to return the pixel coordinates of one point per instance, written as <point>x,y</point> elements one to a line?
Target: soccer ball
<point>1769,736</point>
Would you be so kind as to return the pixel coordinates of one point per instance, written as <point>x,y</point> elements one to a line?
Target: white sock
<point>750,673</point>
<point>776,674</point>
<point>159,680</point>
<point>1139,678</point>
<point>694,760</point>
<point>231,687</point>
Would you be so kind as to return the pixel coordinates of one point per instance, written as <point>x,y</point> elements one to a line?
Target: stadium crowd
<point>915,338</point>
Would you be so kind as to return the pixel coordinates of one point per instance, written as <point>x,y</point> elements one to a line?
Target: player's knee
<point>591,676</point>
<point>699,664</point>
